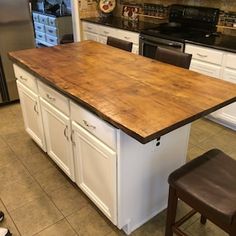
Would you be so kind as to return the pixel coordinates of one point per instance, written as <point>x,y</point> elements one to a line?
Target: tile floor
<point>38,199</point>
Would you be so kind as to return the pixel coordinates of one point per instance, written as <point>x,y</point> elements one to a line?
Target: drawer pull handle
<point>39,27</point>
<point>50,31</point>
<point>22,78</point>
<point>72,137</point>
<point>51,40</point>
<point>105,32</point>
<point>127,37</point>
<point>35,108</point>
<point>51,98</point>
<point>201,55</point>
<point>89,28</point>
<point>65,132</point>
<point>88,125</point>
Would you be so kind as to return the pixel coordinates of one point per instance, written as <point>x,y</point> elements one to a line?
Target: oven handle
<point>174,45</point>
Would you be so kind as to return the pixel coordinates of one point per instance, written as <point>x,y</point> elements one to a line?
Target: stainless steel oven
<point>148,45</point>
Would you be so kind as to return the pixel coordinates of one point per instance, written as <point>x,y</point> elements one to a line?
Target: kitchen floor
<point>38,199</point>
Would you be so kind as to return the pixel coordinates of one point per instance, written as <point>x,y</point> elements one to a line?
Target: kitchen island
<point>116,123</point>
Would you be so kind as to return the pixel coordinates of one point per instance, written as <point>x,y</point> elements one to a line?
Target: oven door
<point>148,45</point>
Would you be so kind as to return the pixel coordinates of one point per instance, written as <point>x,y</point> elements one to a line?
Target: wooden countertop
<point>143,97</point>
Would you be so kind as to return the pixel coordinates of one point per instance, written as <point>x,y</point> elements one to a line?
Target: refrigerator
<point>16,33</point>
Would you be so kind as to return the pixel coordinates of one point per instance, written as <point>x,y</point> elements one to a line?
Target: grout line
<point>10,217</point>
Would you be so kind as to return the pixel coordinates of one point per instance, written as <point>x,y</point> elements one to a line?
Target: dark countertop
<point>51,14</point>
<point>141,96</point>
<point>120,23</point>
<point>221,42</point>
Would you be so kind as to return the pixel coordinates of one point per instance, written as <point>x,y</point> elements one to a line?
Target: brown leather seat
<point>119,43</point>
<point>208,185</point>
<point>172,57</point>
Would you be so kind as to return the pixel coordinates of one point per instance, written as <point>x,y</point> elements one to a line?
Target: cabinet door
<point>228,113</point>
<point>57,132</point>
<point>90,36</point>
<point>31,114</point>
<point>205,68</point>
<point>95,170</point>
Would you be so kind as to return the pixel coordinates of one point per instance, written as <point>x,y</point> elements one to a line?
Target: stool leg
<point>171,211</point>
<point>203,220</point>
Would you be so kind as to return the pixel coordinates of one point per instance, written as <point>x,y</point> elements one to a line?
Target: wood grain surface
<point>143,97</point>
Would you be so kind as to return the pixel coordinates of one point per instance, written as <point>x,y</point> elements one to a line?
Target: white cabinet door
<point>90,36</point>
<point>228,113</point>
<point>57,132</point>
<point>31,114</point>
<point>96,170</point>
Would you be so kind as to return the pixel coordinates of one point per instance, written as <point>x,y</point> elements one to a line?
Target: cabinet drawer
<point>35,16</point>
<point>54,98</point>
<point>52,21</point>
<point>128,36</point>
<point>52,40</point>
<point>51,30</point>
<point>231,61</point>
<point>107,31</point>
<point>230,75</point>
<point>39,27</point>
<point>94,125</point>
<point>90,27</point>
<point>26,78</point>
<point>43,19</point>
<point>205,54</point>
<point>205,68</point>
<point>40,35</point>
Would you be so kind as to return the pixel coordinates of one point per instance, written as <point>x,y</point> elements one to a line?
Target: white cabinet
<point>31,114</point>
<point>90,36</point>
<point>100,33</point>
<point>221,65</point>
<point>49,30</point>
<point>96,170</point>
<point>57,131</point>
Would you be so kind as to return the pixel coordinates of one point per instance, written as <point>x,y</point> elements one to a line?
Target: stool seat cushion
<point>209,181</point>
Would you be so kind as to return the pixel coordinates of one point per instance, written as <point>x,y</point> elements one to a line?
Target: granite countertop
<point>221,42</point>
<point>143,97</point>
<point>121,23</point>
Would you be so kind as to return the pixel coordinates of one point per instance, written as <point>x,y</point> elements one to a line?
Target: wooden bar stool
<point>119,43</point>
<point>208,185</point>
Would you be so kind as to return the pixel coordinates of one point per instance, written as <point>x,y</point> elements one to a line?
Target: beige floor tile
<point>35,216</point>
<point>7,156</point>
<point>197,229</point>
<point>11,173</point>
<point>68,199</point>
<point>51,179</point>
<point>223,142</point>
<point>21,143</point>
<point>61,228</point>
<point>3,144</point>
<point>193,152</point>
<point>17,194</point>
<point>204,129</point>
<point>36,162</point>
<point>88,222</point>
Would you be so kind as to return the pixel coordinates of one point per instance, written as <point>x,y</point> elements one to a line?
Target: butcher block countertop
<point>143,97</point>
